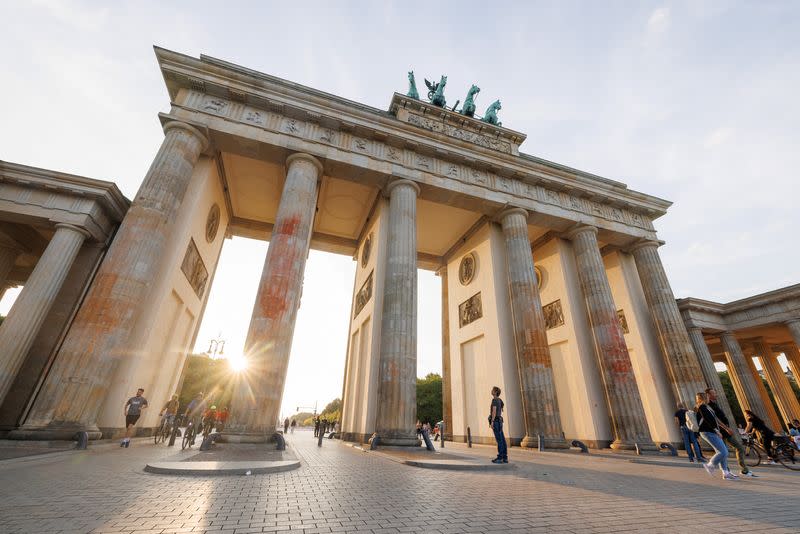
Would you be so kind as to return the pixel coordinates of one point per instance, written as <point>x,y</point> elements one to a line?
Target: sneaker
<point>709,469</point>
<point>127,444</point>
<point>505,460</point>
<point>749,474</point>
<point>497,461</point>
<point>772,462</point>
<point>122,443</point>
<point>730,476</point>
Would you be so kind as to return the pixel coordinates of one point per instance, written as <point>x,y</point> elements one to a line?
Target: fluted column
<point>20,328</point>
<point>76,386</point>
<point>539,402</point>
<point>8,255</point>
<point>794,329</point>
<point>447,394</point>
<point>397,376</point>
<point>793,357</point>
<point>257,401</point>
<point>781,389</point>
<point>625,407</point>
<point>685,373</point>
<point>744,381</point>
<point>771,416</point>
<point>709,370</point>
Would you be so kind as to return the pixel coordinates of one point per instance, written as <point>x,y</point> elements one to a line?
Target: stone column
<point>76,386</point>
<point>447,394</point>
<point>685,373</point>
<point>793,357</point>
<point>539,402</point>
<point>743,379</point>
<point>778,383</point>
<point>771,417</point>
<point>709,370</point>
<point>8,255</point>
<point>397,376</point>
<point>794,329</point>
<point>257,401</point>
<point>625,407</point>
<point>20,328</point>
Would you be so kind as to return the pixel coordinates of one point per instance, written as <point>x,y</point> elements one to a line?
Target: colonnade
<point>748,386</point>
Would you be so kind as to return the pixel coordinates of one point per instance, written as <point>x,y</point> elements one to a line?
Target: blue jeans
<point>691,444</point>
<point>721,457</point>
<point>502,448</point>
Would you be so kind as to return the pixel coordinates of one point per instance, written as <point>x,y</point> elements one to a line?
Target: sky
<point>694,102</point>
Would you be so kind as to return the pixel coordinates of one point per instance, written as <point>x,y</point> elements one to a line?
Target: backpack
<point>691,421</point>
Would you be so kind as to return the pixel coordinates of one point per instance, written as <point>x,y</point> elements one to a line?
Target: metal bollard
<point>83,440</point>
<point>469,438</point>
<point>319,440</point>
<point>541,442</point>
<point>374,441</point>
<point>428,442</point>
<point>280,442</point>
<point>208,442</point>
<point>672,451</point>
<point>174,433</point>
<point>638,450</point>
<point>581,445</point>
<point>441,433</point>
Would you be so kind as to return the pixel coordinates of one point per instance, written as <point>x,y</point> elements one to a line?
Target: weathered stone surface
<point>781,389</point>
<point>257,399</point>
<point>539,402</point>
<point>628,421</point>
<point>76,386</point>
<point>709,370</point>
<point>744,382</point>
<point>8,255</point>
<point>20,328</point>
<point>397,390</point>
<point>447,394</point>
<point>685,372</point>
<point>794,329</point>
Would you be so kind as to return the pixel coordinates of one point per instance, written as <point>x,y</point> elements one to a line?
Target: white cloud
<point>659,21</point>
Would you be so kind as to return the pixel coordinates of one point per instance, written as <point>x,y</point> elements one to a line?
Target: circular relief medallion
<point>366,250</point>
<point>212,223</point>
<point>467,268</point>
<point>539,276</point>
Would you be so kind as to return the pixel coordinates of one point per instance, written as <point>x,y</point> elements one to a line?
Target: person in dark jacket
<point>709,431</point>
<point>689,437</point>
<point>765,433</point>
<point>729,433</point>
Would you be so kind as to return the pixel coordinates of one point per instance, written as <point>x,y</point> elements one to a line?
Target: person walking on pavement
<point>709,431</point>
<point>496,422</point>
<point>728,434</point>
<point>133,410</point>
<point>286,426</point>
<point>316,427</point>
<point>294,424</point>
<point>689,437</point>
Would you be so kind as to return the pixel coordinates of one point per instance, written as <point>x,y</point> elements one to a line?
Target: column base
<point>532,442</point>
<point>54,432</point>
<point>398,439</point>
<point>244,438</point>
<point>627,445</point>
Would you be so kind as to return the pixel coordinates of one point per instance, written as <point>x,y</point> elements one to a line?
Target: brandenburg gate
<point>552,285</point>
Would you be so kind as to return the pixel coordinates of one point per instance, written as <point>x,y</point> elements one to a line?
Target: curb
<point>220,468</point>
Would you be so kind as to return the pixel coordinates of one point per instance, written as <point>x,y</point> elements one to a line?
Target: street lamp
<point>216,348</point>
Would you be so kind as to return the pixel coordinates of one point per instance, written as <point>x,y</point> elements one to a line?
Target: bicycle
<point>164,430</point>
<point>784,451</point>
<point>188,436</point>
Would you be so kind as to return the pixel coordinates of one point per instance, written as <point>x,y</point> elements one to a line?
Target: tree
<point>209,376</point>
<point>332,411</point>
<point>730,394</point>
<point>429,398</point>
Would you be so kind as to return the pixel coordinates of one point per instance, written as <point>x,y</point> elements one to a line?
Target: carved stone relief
<point>623,322</point>
<point>553,315</point>
<point>194,269</point>
<point>363,295</point>
<point>467,268</point>
<point>212,223</point>
<point>458,133</point>
<point>366,250</point>
<point>470,310</point>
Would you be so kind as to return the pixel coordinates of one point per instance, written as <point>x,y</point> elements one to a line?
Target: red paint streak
<point>287,227</point>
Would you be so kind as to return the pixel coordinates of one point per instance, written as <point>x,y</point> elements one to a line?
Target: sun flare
<point>237,363</point>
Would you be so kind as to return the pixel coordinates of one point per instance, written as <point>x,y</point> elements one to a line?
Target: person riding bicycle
<point>209,419</point>
<point>169,411</point>
<point>194,412</point>
<point>764,433</point>
<point>222,418</point>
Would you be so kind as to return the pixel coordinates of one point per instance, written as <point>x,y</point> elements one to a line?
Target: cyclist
<point>222,418</point>
<point>209,419</point>
<point>194,412</point>
<point>169,411</point>
<point>765,433</point>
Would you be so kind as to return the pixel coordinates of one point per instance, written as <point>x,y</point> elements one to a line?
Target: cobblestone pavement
<point>341,489</point>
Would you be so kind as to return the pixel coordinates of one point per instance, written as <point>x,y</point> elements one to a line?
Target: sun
<point>237,363</point>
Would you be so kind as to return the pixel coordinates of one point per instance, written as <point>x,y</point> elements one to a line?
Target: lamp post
<point>216,348</point>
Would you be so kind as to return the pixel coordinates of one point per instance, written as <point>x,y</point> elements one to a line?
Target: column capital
<point>300,156</point>
<point>178,125</point>
<point>580,229</point>
<point>398,182</point>
<point>792,321</point>
<point>644,243</point>
<point>511,211</point>
<point>85,233</point>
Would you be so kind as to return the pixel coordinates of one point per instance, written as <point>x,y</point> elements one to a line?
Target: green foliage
<point>429,398</point>
<point>302,418</point>
<point>332,411</point>
<point>203,374</point>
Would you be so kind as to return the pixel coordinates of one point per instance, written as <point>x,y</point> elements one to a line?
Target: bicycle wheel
<point>188,436</point>
<point>157,437</point>
<point>751,456</point>
<point>788,457</point>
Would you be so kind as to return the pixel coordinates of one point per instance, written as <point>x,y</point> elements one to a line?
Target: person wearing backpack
<point>705,421</point>
<point>689,437</point>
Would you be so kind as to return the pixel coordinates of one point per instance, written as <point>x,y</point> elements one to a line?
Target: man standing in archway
<point>496,422</point>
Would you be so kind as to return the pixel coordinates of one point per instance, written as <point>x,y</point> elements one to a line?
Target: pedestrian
<point>286,426</point>
<point>794,431</point>
<point>419,429</point>
<point>316,426</point>
<point>169,411</point>
<point>222,418</point>
<point>133,410</point>
<point>689,437</point>
<point>764,433</point>
<point>733,437</point>
<point>294,424</point>
<point>496,422</point>
<point>709,431</point>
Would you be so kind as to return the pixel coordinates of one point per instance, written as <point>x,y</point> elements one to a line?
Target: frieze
<point>194,269</point>
<point>273,120</point>
<point>363,295</point>
<point>458,133</point>
<point>553,315</point>
<point>623,322</point>
<point>470,310</point>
